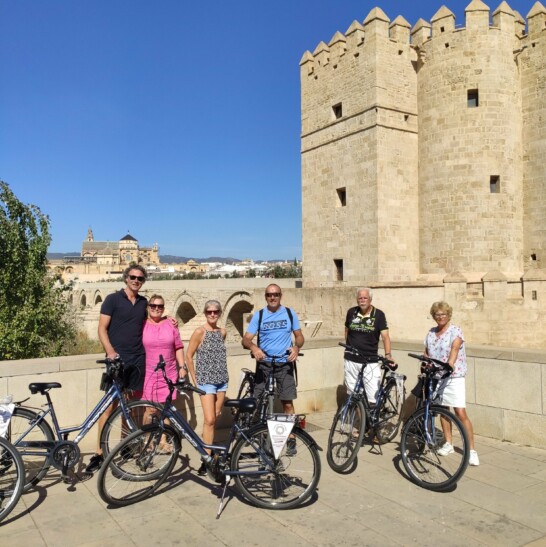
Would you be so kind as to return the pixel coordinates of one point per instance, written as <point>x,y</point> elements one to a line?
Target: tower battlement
<point>377,25</point>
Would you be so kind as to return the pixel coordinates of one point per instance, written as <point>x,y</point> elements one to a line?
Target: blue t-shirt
<point>275,331</point>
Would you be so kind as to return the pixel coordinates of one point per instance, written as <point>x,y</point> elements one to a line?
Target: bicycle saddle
<point>244,405</point>
<point>40,387</point>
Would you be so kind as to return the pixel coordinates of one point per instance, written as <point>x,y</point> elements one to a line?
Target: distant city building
<point>115,253</point>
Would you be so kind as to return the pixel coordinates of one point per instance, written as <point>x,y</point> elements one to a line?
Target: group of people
<point>137,331</point>
<point>365,325</point>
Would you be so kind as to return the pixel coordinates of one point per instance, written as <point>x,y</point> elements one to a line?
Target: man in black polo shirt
<point>364,325</point>
<point>122,317</point>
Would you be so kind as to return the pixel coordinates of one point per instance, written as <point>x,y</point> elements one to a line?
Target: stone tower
<point>423,148</point>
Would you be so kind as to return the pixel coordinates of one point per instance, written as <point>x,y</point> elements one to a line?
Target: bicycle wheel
<point>288,482</point>
<point>420,443</point>
<point>245,389</point>
<point>138,466</point>
<point>346,435</point>
<point>117,427</point>
<point>32,443</point>
<point>389,415</point>
<point>12,477</point>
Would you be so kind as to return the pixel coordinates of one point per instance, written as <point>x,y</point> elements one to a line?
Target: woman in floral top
<point>445,342</point>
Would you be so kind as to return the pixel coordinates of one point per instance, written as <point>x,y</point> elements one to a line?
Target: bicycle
<point>423,437</point>
<point>12,477</point>
<point>264,473</point>
<point>357,415</point>
<point>266,400</point>
<point>42,447</point>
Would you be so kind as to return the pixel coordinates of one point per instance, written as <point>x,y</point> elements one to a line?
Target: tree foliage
<point>35,319</point>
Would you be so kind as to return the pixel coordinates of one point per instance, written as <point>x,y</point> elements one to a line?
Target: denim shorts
<point>213,388</point>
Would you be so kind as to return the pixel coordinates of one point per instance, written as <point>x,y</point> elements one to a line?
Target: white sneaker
<point>473,460</point>
<point>445,450</point>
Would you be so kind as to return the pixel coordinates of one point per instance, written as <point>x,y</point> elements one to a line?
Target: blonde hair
<point>441,306</point>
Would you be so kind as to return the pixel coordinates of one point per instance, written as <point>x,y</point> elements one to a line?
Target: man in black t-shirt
<point>122,317</point>
<point>364,325</point>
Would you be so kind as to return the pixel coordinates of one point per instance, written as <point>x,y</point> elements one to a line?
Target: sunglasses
<point>156,306</point>
<point>140,278</point>
<point>272,294</point>
<point>212,312</point>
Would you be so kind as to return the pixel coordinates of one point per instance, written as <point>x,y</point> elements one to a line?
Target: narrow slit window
<point>472,98</point>
<point>342,197</point>
<point>494,184</point>
<point>338,263</point>
<point>337,109</point>
<point>533,295</point>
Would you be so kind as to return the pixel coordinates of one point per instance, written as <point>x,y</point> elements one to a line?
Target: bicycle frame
<point>113,394</point>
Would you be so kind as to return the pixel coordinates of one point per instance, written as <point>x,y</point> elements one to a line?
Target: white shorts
<point>372,377</point>
<point>451,392</point>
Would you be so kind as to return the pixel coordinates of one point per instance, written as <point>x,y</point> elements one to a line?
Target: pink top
<point>160,338</point>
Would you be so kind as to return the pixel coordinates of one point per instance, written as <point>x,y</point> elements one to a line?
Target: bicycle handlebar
<point>385,362</point>
<point>432,363</point>
<point>181,385</point>
<point>275,357</point>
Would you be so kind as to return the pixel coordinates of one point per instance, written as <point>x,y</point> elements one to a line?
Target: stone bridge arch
<point>185,308</point>
<point>236,310</point>
<point>97,299</point>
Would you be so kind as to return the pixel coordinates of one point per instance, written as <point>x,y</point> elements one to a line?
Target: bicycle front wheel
<point>138,466</point>
<point>117,427</point>
<point>12,477</point>
<point>427,461</point>
<point>285,482</point>
<point>33,439</point>
<point>389,414</point>
<point>346,435</point>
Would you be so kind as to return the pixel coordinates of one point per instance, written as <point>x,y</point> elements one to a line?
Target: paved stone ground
<point>501,502</point>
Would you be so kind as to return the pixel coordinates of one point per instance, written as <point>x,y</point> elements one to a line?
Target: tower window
<point>342,197</point>
<point>472,98</point>
<point>337,109</point>
<point>338,263</point>
<point>533,257</point>
<point>494,184</point>
<point>533,295</point>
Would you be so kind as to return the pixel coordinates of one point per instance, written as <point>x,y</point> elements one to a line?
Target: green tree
<point>35,318</point>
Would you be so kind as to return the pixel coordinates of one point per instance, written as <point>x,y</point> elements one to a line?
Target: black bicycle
<point>265,472</point>
<point>40,447</point>
<point>428,460</point>
<point>265,402</point>
<point>12,477</point>
<point>357,415</point>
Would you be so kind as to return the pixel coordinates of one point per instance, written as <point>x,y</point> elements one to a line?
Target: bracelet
<point>389,353</point>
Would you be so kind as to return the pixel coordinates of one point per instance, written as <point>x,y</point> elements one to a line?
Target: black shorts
<point>284,378</point>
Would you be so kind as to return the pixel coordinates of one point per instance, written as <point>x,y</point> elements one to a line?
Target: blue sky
<point>178,121</point>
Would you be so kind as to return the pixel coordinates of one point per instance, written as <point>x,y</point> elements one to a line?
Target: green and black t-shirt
<point>364,332</point>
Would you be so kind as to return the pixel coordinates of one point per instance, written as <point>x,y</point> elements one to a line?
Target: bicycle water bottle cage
<point>41,388</point>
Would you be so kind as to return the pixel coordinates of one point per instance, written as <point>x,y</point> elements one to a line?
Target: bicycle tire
<point>138,466</point>
<point>346,435</point>
<point>419,445</point>
<point>117,428</point>
<point>389,414</point>
<point>290,483</point>
<point>35,459</point>
<point>12,477</point>
<point>245,389</point>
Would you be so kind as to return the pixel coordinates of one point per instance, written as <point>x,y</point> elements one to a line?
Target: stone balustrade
<point>506,387</point>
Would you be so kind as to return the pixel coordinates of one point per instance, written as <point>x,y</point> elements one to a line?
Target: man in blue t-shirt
<point>274,326</point>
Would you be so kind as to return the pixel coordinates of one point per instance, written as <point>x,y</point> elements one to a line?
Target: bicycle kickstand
<point>227,480</point>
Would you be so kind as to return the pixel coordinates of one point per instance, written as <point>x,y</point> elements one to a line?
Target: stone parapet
<point>506,387</point>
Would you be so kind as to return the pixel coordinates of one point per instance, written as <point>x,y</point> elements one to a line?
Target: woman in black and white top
<point>209,372</point>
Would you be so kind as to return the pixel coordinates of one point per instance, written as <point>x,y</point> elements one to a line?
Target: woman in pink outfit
<point>160,337</point>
